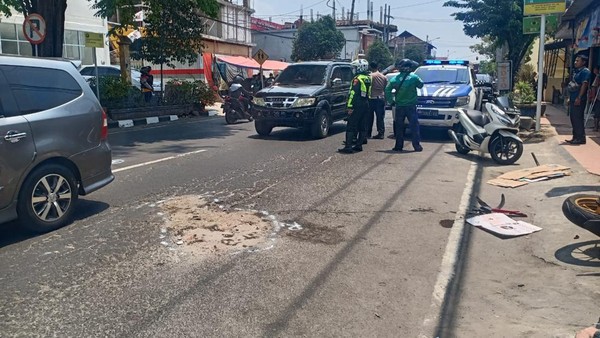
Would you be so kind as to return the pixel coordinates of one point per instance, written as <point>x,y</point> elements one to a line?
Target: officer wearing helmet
<point>358,107</point>
<point>405,101</point>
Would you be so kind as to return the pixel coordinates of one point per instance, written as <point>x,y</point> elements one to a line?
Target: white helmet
<point>361,65</point>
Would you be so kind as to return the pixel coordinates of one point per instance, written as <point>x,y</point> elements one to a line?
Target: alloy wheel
<point>51,197</point>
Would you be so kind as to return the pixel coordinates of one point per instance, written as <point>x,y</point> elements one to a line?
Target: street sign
<point>533,24</point>
<point>539,7</point>
<point>94,40</point>
<point>504,72</point>
<point>34,29</point>
<point>260,57</point>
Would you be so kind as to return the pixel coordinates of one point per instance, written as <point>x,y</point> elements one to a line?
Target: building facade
<point>79,18</point>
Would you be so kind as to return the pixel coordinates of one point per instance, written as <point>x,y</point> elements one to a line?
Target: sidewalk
<point>214,110</point>
<point>588,155</point>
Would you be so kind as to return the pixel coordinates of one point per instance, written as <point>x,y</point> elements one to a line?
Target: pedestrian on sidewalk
<point>595,98</point>
<point>405,101</point>
<point>146,81</point>
<point>377,102</point>
<point>578,87</point>
<point>358,107</point>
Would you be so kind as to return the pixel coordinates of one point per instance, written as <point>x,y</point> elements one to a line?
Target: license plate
<point>427,112</point>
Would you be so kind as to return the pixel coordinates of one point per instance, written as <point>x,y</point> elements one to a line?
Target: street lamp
<point>427,41</point>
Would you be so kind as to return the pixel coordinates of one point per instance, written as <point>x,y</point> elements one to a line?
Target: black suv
<point>308,95</point>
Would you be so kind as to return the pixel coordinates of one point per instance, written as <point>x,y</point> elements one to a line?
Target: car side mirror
<point>336,82</point>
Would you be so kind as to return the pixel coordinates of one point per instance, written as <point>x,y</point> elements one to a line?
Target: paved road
<point>367,262</point>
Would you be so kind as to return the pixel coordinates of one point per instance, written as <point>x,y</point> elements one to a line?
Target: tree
<point>181,21</point>
<point>318,40</point>
<point>487,67</point>
<point>380,53</point>
<point>172,29</point>
<point>501,20</point>
<point>415,52</point>
<point>487,47</point>
<point>53,12</point>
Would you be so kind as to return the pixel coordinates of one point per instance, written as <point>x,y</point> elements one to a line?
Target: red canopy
<point>246,62</point>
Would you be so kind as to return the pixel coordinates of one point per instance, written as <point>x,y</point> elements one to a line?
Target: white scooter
<point>492,131</point>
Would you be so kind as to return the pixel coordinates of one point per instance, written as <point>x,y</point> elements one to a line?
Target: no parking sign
<point>34,28</point>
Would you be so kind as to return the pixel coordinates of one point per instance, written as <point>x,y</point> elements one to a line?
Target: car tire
<point>47,198</point>
<point>263,128</point>
<point>581,209</point>
<point>320,127</point>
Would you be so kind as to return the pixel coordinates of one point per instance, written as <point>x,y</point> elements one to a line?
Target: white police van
<point>448,86</point>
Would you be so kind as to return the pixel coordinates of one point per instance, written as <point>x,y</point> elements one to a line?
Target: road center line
<point>449,259</point>
<point>158,161</point>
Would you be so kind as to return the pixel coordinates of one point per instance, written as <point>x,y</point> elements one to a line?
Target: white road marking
<point>158,161</point>
<point>449,259</point>
<point>117,161</point>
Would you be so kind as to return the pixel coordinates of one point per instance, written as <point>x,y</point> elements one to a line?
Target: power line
<point>296,11</point>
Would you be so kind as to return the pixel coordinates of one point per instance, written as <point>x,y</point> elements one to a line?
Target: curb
<point>141,121</point>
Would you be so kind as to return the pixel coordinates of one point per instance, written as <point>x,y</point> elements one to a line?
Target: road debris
<point>503,225</point>
<point>517,178</point>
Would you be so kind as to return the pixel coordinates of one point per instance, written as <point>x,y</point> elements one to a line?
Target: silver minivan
<point>53,142</point>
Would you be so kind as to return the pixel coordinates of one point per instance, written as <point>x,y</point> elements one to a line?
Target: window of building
<point>12,41</point>
<point>39,89</point>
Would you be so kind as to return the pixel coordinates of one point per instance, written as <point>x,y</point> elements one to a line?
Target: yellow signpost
<point>94,40</point>
<point>261,57</point>
<point>539,7</point>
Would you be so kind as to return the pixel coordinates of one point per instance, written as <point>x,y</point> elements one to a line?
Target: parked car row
<point>89,72</point>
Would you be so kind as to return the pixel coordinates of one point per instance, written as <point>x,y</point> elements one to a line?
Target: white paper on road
<point>503,225</point>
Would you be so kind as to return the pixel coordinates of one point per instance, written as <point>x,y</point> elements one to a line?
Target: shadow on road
<point>12,232</point>
<point>581,254</point>
<point>296,134</point>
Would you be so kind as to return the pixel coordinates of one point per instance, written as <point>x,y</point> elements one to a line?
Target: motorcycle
<point>492,131</point>
<point>584,211</point>
<point>232,113</point>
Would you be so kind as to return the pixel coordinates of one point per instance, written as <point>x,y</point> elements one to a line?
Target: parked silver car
<point>53,142</point>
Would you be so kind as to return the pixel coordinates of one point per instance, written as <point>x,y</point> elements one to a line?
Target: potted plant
<point>524,99</point>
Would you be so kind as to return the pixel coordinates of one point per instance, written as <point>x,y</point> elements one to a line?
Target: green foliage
<point>186,92</point>
<point>487,47</point>
<point>318,40</point>
<point>380,53</point>
<point>487,67</point>
<point>526,73</point>
<point>523,93</point>
<point>415,53</point>
<point>116,93</point>
<point>500,20</point>
<point>172,29</point>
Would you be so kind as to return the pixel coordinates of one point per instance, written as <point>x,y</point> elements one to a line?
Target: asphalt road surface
<point>367,261</point>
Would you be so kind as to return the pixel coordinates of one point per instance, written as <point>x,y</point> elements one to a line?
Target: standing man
<point>146,81</point>
<point>358,107</point>
<point>577,99</point>
<point>405,101</point>
<point>377,102</point>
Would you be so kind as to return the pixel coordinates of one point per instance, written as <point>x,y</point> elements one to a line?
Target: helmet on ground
<point>361,65</point>
<point>405,65</point>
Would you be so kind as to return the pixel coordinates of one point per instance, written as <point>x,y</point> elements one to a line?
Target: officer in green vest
<point>358,107</point>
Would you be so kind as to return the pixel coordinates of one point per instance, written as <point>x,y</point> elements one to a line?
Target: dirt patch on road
<point>531,136</point>
<point>199,226</point>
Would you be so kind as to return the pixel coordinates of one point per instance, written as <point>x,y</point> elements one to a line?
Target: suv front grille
<point>436,102</point>
<point>279,102</point>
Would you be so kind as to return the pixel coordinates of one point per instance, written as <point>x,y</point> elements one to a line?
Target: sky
<point>422,18</point>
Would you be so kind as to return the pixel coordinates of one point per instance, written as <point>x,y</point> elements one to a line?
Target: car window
<point>347,74</point>
<point>450,75</point>
<point>112,71</point>
<point>299,75</point>
<point>38,89</point>
<point>87,71</point>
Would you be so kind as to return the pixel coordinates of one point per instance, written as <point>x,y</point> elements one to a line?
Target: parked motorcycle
<point>508,107</point>
<point>232,110</point>
<point>584,211</point>
<point>491,131</point>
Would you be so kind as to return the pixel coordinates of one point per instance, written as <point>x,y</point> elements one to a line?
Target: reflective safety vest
<point>360,89</point>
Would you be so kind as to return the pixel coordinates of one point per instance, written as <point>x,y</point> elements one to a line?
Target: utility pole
<point>426,45</point>
<point>352,12</point>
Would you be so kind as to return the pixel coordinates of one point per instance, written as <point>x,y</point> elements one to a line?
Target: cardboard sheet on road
<point>503,225</point>
<point>517,178</point>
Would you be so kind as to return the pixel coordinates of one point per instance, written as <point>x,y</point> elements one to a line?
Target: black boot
<point>348,144</point>
<point>362,139</point>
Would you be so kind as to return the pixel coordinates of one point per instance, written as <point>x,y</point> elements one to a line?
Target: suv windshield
<point>483,78</point>
<point>302,75</point>
<point>443,75</point>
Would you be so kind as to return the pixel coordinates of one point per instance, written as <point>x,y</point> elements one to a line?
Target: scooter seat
<point>478,117</point>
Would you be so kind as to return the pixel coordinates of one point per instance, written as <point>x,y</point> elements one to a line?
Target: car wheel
<point>47,198</point>
<point>262,128</point>
<point>320,127</point>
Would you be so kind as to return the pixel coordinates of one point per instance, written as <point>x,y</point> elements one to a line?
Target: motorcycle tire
<point>581,209</point>
<point>462,150</point>
<point>230,117</point>
<point>497,152</point>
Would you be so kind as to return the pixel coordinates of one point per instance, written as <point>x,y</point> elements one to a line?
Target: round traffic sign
<point>34,28</point>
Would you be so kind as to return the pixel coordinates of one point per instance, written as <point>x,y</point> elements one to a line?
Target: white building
<point>79,18</point>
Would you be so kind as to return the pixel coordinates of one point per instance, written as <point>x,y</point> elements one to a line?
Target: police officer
<point>405,101</point>
<point>358,107</point>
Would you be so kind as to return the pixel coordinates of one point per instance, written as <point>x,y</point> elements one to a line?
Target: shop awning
<point>245,62</point>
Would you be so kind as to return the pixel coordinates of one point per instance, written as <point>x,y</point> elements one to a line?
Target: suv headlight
<point>259,101</point>
<point>463,101</point>
<point>304,102</point>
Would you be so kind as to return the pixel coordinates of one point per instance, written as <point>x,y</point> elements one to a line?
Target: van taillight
<point>104,129</point>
